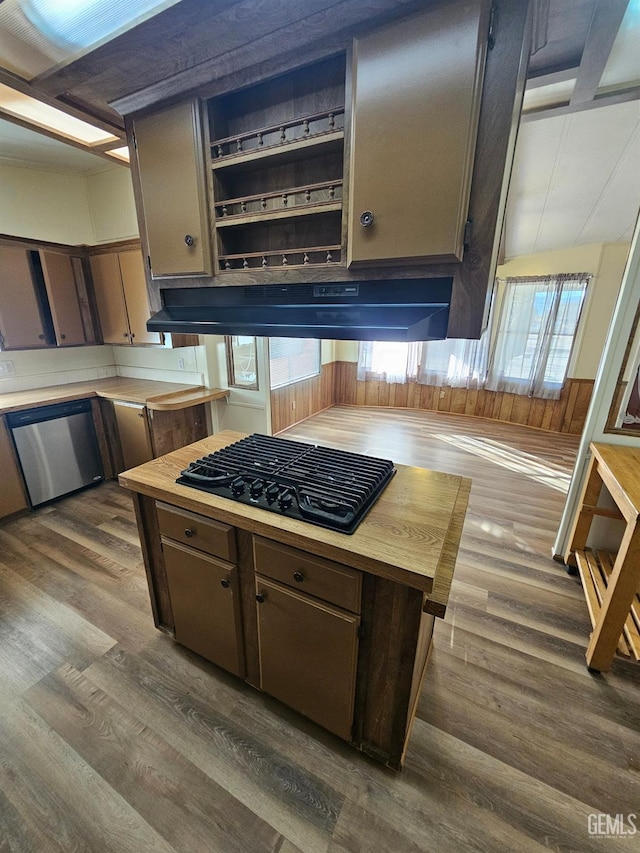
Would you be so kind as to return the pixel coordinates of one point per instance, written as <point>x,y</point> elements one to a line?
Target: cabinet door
<point>21,323</point>
<point>107,284</point>
<point>12,493</point>
<point>136,299</point>
<point>308,655</point>
<point>174,185</point>
<point>133,430</point>
<point>416,97</point>
<point>205,601</point>
<point>63,298</point>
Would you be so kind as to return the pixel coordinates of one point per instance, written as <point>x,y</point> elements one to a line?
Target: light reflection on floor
<point>514,460</point>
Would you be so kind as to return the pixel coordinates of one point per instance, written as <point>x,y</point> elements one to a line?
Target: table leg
<point>621,590</point>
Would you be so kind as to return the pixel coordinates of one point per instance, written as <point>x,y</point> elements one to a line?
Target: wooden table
<point>611,582</point>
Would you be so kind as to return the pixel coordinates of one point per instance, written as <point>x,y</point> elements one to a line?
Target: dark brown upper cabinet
<point>416,99</point>
<point>170,156</point>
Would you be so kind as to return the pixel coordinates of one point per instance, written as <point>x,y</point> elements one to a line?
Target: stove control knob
<point>256,488</point>
<point>237,487</point>
<point>285,500</point>
<point>271,493</point>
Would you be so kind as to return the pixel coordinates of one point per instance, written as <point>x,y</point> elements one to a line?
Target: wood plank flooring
<point>114,738</point>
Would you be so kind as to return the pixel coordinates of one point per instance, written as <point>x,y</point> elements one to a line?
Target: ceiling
<point>576,177</point>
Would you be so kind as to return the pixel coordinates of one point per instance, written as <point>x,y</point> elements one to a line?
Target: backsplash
<point>43,368</point>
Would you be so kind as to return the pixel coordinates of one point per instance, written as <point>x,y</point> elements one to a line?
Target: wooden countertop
<point>410,535</point>
<point>155,395</point>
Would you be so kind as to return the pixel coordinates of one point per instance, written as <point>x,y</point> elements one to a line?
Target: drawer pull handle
<point>189,532</point>
<point>260,598</point>
<point>225,583</point>
<point>298,577</point>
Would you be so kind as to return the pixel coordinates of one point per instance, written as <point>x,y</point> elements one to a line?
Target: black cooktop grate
<point>331,488</point>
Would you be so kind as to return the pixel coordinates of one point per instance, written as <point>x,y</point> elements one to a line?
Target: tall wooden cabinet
<point>416,98</point>
<point>121,295</point>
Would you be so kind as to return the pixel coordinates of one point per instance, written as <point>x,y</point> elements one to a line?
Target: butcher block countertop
<point>165,396</point>
<point>410,535</point>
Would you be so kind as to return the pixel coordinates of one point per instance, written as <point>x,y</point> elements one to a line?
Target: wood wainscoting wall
<point>564,415</point>
<point>294,403</point>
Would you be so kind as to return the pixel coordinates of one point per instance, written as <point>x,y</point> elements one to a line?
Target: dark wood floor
<point>112,737</point>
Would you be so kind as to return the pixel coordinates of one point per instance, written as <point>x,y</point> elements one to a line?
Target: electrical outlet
<point>181,364</point>
<point>7,368</point>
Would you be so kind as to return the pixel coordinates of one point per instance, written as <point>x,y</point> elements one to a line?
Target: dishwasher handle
<point>47,413</point>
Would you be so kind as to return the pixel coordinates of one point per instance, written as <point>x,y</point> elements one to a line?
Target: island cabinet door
<point>308,655</point>
<point>205,601</point>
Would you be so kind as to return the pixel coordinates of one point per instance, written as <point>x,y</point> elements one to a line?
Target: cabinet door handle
<point>225,583</point>
<point>298,577</point>
<point>260,598</point>
<point>188,240</point>
<point>366,218</point>
<point>189,532</point>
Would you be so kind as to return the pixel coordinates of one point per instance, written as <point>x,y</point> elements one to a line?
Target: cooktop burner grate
<point>331,488</point>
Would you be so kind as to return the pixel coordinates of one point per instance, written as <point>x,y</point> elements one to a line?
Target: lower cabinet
<point>12,493</point>
<point>202,584</point>
<point>133,430</point>
<point>205,601</point>
<point>308,655</point>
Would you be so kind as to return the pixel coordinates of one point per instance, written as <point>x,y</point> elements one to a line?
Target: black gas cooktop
<point>331,488</point>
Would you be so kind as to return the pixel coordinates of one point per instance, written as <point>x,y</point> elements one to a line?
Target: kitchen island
<point>336,626</point>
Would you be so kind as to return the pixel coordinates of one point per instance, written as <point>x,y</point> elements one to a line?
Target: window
<point>534,334</point>
<point>525,350</point>
<point>455,362</point>
<point>242,363</point>
<point>388,361</point>
<point>292,360</point>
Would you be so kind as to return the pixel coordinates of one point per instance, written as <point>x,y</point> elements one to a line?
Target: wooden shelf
<point>267,256</point>
<point>595,568</point>
<point>284,150</point>
<point>275,215</point>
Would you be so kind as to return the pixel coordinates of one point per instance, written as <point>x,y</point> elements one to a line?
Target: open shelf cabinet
<point>277,156</point>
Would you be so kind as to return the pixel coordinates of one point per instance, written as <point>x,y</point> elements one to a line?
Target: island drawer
<point>199,532</point>
<point>316,576</point>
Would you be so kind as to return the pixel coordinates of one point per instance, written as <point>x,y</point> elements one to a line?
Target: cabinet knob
<point>260,598</point>
<point>188,240</point>
<point>63,337</point>
<point>298,577</point>
<point>225,583</point>
<point>366,218</point>
<point>41,337</point>
<point>125,335</point>
<point>189,532</point>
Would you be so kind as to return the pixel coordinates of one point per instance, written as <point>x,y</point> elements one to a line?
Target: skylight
<point>39,114</point>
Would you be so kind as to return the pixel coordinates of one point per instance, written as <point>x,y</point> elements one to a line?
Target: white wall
<point>44,205</point>
<point>112,205</point>
<point>186,365</point>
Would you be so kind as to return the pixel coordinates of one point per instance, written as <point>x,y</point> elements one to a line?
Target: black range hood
<point>387,310</point>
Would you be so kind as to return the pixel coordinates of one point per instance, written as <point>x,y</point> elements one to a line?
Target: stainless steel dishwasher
<point>57,448</point>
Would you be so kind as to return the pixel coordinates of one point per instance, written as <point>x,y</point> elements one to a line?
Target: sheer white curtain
<point>534,335</point>
<point>454,362</point>
<point>388,361</point>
